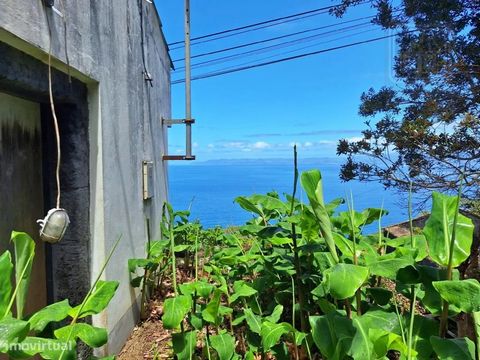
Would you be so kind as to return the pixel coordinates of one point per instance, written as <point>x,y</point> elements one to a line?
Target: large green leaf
<point>271,333</point>
<point>343,280</point>
<point>97,301</point>
<point>90,335</point>
<point>6,268</point>
<point>47,348</point>
<point>431,299</point>
<point>210,313</point>
<point>312,184</point>
<point>224,345</point>
<point>52,313</point>
<point>384,341</point>
<point>389,265</point>
<point>419,243</point>
<point>332,334</point>
<point>453,349</point>
<point>12,331</point>
<point>423,329</point>
<point>438,231</point>
<point>248,205</point>
<point>253,321</point>
<point>463,294</point>
<point>174,311</point>
<point>241,289</point>
<point>133,264</point>
<point>274,317</point>
<point>24,254</point>
<point>363,344</point>
<point>184,344</point>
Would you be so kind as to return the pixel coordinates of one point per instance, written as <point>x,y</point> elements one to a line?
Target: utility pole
<point>188,121</point>
<point>188,82</point>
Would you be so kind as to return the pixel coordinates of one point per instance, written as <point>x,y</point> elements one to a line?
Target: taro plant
<point>305,281</point>
<point>52,332</point>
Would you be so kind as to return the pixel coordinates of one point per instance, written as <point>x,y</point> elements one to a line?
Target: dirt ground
<point>149,340</point>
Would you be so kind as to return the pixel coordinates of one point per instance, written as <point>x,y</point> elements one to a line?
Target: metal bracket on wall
<point>188,122</point>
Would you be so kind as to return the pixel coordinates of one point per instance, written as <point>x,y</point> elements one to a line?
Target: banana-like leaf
<point>343,280</point>
<point>438,231</point>
<point>423,329</point>
<point>174,311</point>
<point>211,312</point>
<point>24,254</point>
<point>274,317</point>
<point>271,333</point>
<point>52,313</point>
<point>97,301</point>
<point>224,345</point>
<point>254,322</point>
<point>90,335</point>
<point>12,331</point>
<point>333,334</point>
<point>453,349</point>
<point>241,289</point>
<point>312,184</point>
<point>184,345</point>
<point>463,294</point>
<point>6,268</point>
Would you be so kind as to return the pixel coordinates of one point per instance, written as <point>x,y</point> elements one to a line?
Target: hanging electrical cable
<point>281,45</point>
<point>299,49</point>
<point>55,223</point>
<point>243,68</point>
<point>276,38</point>
<point>271,22</point>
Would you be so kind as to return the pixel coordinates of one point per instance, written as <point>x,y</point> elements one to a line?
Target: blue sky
<point>260,113</point>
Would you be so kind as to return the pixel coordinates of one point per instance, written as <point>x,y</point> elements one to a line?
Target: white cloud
<point>261,145</point>
<point>195,145</point>
<point>355,138</point>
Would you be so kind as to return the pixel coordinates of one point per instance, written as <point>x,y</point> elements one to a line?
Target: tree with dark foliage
<point>426,129</point>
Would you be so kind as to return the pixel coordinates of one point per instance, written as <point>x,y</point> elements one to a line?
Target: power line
<point>248,30</point>
<point>256,24</point>
<point>275,38</point>
<point>224,72</point>
<point>274,47</point>
<point>254,27</point>
<point>301,48</point>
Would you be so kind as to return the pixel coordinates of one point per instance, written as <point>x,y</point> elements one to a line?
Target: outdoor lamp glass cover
<point>53,227</point>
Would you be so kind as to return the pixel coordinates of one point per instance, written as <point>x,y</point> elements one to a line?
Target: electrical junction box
<point>147,180</point>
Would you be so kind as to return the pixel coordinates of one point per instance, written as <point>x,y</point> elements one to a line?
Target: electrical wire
<point>258,26</point>
<point>275,38</point>
<point>274,47</point>
<point>54,115</point>
<point>301,48</point>
<point>243,68</point>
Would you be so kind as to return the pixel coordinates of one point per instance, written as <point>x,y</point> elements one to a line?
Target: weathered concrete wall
<point>104,46</point>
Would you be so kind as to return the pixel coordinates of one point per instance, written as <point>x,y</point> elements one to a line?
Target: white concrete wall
<point>104,49</point>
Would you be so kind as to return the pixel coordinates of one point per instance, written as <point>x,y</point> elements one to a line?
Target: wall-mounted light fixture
<point>54,225</point>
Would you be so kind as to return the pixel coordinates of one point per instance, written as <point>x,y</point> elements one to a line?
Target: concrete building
<point>111,89</point>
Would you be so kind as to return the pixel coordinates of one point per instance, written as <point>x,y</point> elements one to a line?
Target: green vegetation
<point>299,280</point>
<point>53,331</point>
<point>425,128</point>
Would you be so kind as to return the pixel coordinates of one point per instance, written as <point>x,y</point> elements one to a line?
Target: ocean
<point>209,188</point>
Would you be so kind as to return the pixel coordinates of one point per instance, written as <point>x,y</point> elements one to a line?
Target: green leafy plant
<point>304,280</point>
<point>25,336</point>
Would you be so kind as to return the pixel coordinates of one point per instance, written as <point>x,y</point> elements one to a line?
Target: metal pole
<point>188,93</point>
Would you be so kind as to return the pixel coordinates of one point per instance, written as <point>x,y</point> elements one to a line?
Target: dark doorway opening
<point>67,264</point>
